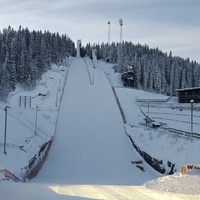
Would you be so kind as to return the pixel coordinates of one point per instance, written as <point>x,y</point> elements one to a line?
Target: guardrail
<point>183,133</point>
<point>6,175</point>
<point>153,100</point>
<point>10,145</point>
<point>173,130</point>
<point>153,162</point>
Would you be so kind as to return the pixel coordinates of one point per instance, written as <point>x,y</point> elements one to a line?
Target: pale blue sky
<point>166,24</point>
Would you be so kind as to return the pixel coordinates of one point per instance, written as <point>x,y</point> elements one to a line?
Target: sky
<point>171,25</point>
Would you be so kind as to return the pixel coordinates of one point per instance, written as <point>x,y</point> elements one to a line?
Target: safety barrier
<point>6,175</point>
<point>36,162</point>
<point>116,98</point>
<point>153,162</point>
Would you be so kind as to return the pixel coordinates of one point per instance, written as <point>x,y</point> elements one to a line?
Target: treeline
<point>153,69</point>
<point>25,55</point>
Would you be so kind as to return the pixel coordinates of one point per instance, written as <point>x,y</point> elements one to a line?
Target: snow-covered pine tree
<point>13,63</point>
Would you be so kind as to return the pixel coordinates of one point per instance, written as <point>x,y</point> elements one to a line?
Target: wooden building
<point>128,76</point>
<point>187,94</point>
<point>127,79</point>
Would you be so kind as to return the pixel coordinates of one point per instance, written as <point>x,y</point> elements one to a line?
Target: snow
<point>21,123</point>
<point>91,155</point>
<point>159,143</point>
<point>177,183</point>
<point>97,151</point>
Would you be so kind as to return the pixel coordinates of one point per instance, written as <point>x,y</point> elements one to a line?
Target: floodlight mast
<point>120,47</point>
<point>108,32</point>
<point>121,24</point>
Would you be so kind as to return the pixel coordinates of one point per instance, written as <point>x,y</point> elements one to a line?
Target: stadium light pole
<point>192,101</point>
<point>120,46</point>
<point>121,24</point>
<point>108,45</point>
<point>108,32</point>
<point>5,131</point>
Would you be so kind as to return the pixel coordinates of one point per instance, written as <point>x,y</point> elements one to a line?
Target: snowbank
<point>177,183</point>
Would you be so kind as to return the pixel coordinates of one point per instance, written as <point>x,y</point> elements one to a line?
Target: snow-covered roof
<point>185,89</point>
<point>127,72</point>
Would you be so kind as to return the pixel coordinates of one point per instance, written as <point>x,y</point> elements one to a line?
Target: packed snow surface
<point>91,155</point>
<point>91,136</point>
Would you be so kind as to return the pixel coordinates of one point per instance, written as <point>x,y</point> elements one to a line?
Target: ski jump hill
<point>90,145</point>
<point>91,156</point>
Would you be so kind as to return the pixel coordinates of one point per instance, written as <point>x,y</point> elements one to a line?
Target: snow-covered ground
<point>91,135</point>
<point>90,130</point>
<point>23,129</point>
<point>160,143</point>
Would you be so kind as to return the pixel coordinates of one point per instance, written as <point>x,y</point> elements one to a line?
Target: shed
<point>187,94</point>
<point>127,78</point>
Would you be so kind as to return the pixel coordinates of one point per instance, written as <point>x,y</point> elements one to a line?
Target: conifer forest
<point>154,70</point>
<point>25,55</point>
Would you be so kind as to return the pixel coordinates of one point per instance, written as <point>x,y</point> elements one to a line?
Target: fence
<point>25,101</point>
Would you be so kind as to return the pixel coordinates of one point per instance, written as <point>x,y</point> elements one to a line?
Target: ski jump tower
<point>78,48</point>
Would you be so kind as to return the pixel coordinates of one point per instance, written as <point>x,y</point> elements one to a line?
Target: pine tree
<point>6,86</point>
<point>13,63</point>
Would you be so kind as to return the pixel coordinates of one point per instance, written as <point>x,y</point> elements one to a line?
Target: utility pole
<point>191,101</point>
<point>148,107</point>
<point>5,132</point>
<point>36,112</point>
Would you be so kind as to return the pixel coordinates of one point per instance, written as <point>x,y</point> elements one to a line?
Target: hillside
<point>94,132</point>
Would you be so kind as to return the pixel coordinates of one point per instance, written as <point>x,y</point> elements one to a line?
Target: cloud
<point>172,23</point>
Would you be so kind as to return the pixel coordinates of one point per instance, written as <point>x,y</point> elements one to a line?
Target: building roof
<point>186,89</point>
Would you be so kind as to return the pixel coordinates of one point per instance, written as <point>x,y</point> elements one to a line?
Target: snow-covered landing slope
<point>90,145</point>
<point>75,168</point>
